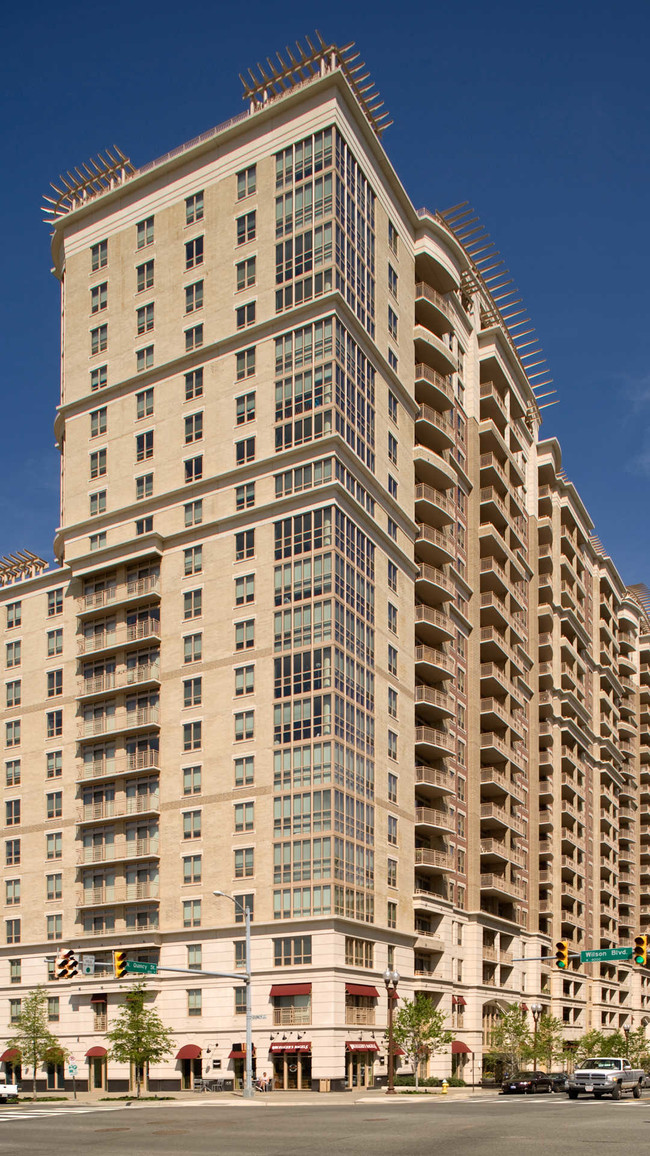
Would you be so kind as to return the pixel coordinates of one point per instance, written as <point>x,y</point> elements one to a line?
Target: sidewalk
<point>265,1099</point>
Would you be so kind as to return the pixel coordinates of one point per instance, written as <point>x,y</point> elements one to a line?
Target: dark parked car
<point>527,1083</point>
<point>560,1081</point>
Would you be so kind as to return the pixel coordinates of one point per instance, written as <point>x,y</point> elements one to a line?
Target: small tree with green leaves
<point>548,1042</point>
<point>419,1029</point>
<point>511,1037</point>
<point>32,1036</point>
<point>138,1036</point>
<point>637,1048</point>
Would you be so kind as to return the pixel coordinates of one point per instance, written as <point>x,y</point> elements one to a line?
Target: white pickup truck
<point>7,1090</point>
<point>606,1076</point>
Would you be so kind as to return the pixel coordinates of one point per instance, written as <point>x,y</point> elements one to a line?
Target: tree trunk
<point>137,1082</point>
<point>416,1072</point>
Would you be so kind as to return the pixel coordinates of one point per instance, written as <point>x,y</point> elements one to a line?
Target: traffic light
<point>562,953</point>
<point>641,950</point>
<point>119,964</point>
<point>66,965</point>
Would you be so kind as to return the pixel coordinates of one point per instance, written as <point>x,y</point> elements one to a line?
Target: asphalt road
<point>539,1126</point>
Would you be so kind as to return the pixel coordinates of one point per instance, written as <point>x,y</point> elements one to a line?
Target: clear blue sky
<point>535,113</point>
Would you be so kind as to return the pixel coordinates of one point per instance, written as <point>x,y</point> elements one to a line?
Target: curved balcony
<point>435,469</point>
<point>433,819</point>
<point>434,664</point>
<point>433,704</point>
<point>431,350</point>
<point>432,504</point>
<point>494,816</point>
<point>433,780</point>
<point>432,308</point>
<point>493,405</point>
<point>498,885</point>
<point>432,585</point>
<point>432,742</point>
<point>433,429</point>
<point>432,625</point>
<point>433,862</point>
<point>433,547</point>
<point>434,388</point>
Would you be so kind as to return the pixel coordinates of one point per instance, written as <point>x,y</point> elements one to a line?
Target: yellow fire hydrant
<point>445,1087</point>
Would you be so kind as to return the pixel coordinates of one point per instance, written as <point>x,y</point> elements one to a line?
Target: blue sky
<point>535,113</point>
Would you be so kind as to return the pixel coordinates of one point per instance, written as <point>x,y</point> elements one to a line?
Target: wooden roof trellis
<point>97,176</point>
<point>23,564</point>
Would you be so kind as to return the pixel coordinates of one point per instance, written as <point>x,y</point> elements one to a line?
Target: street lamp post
<point>391,979</point>
<point>248,1077</point>
<point>536,1011</point>
<point>626,1029</point>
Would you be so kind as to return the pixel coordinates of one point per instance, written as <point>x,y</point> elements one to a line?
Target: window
<point>191,824</point>
<point>243,902</point>
<point>144,319</point>
<point>144,233</point>
<point>192,918</point>
<point>144,358</point>
<point>13,654</point>
<point>192,869</point>
<point>191,780</point>
<point>193,560</point>
<point>392,529</point>
<point>245,451</point>
<point>54,723</point>
<point>392,618</point>
<point>54,642</point>
<point>392,486</point>
<point>99,297</point>
<point>246,228</point>
<point>245,315</point>
<point>244,680</point>
<point>54,926</point>
<point>244,725</point>
<point>194,512</point>
<point>99,377</point>
<point>246,273</point>
<point>392,873</point>
<point>244,863</point>
<point>14,1011</point>
<point>12,733</point>
<point>144,446</point>
<point>391,914</point>
<point>244,589</point>
<point>246,182</point>
<point>245,408</point>
<point>292,951</point>
<point>192,692</point>
<point>144,403</point>
<point>53,1009</point>
<point>98,339</point>
<point>143,487</point>
<point>144,526</point>
<point>193,384</point>
<point>246,363</point>
<point>245,496</point>
<point>194,1001</point>
<point>15,971</point>
<point>144,276</point>
<point>392,702</point>
<point>392,787</point>
<point>392,745</point>
<point>392,449</point>
<point>392,830</point>
<point>240,953</point>
<point>194,208</point>
<point>192,647</point>
<point>194,253</point>
<point>54,886</point>
<point>13,692</point>
<point>244,545</point>
<point>245,634</point>
<point>194,956</point>
<point>392,659</point>
<point>12,773</point>
<point>99,256</point>
<point>244,771</point>
<point>392,281</point>
<point>98,464</point>
<point>193,469</point>
<point>192,736</point>
<point>14,614</point>
<point>193,338</point>
<point>54,845</point>
<point>98,422</point>
<point>192,603</point>
<point>392,361</point>
<point>358,952</point>
<point>54,764</point>
<point>193,427</point>
<point>54,683</point>
<point>392,237</point>
<point>240,1000</point>
<point>54,805</point>
<point>98,503</point>
<point>12,892</point>
<point>55,602</point>
<point>194,297</point>
<point>12,852</point>
<point>392,323</point>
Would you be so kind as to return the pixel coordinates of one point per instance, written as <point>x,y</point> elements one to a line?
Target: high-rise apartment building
<point>330,630</point>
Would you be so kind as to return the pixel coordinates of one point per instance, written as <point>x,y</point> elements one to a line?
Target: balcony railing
<point>112,852</point>
<point>118,808</point>
<point>119,592</point>
<point>120,721</point>
<point>361,1016</point>
<point>122,635</point>
<point>284,1017</point>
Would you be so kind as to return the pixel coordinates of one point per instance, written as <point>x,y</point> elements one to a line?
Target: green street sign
<point>134,967</point>
<point>608,953</point>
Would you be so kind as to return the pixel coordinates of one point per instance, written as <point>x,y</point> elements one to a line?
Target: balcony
<point>434,547</point>
<point>440,782</point>
<point>112,680</point>
<point>432,663</point>
<point>287,1017</point>
<point>360,1016</point>
<point>434,819</point>
<point>432,386</point>
<point>116,852</point>
<point>493,815</point>
<point>430,350</point>
<point>121,636</point>
<point>120,808</point>
<point>121,720</point>
<point>120,592</point>
<point>433,586</point>
<point>118,894</point>
<point>432,308</point>
<point>433,742</point>
<point>431,503</point>
<point>434,861</point>
<point>433,429</point>
<point>433,704</point>
<point>498,885</point>
<point>490,776</point>
<point>432,625</point>
<point>128,763</point>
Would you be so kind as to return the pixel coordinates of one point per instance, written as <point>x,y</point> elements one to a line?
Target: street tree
<point>419,1029</point>
<point>511,1037</point>
<point>548,1042</point>
<point>138,1036</point>
<point>32,1036</point>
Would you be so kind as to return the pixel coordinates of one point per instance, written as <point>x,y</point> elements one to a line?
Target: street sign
<point>72,1068</point>
<point>259,1017</point>
<point>88,965</point>
<point>134,967</point>
<point>608,953</point>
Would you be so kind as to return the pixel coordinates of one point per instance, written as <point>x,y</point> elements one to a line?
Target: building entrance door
<point>360,1069</point>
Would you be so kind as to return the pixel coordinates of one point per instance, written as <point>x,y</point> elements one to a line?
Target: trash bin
<point>324,1085</point>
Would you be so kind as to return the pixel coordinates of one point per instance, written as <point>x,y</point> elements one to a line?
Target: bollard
<point>445,1087</point>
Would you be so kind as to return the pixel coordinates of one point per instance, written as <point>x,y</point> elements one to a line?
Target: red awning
<point>9,1056</point>
<point>306,1047</point>
<point>458,1001</point>
<point>458,1048</point>
<point>523,1006</point>
<point>236,1055</point>
<point>362,1046</point>
<point>362,989</point>
<point>100,997</point>
<point>95,1052</point>
<point>189,1052</point>
<point>398,1051</point>
<point>291,989</point>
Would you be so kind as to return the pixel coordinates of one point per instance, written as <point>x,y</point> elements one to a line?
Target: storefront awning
<point>458,1001</point>
<point>362,1046</point>
<point>290,989</point>
<point>458,1048</point>
<point>99,997</point>
<point>236,1055</point>
<point>189,1052</point>
<point>362,989</point>
<point>301,1047</point>
<point>10,1056</point>
<point>95,1052</point>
